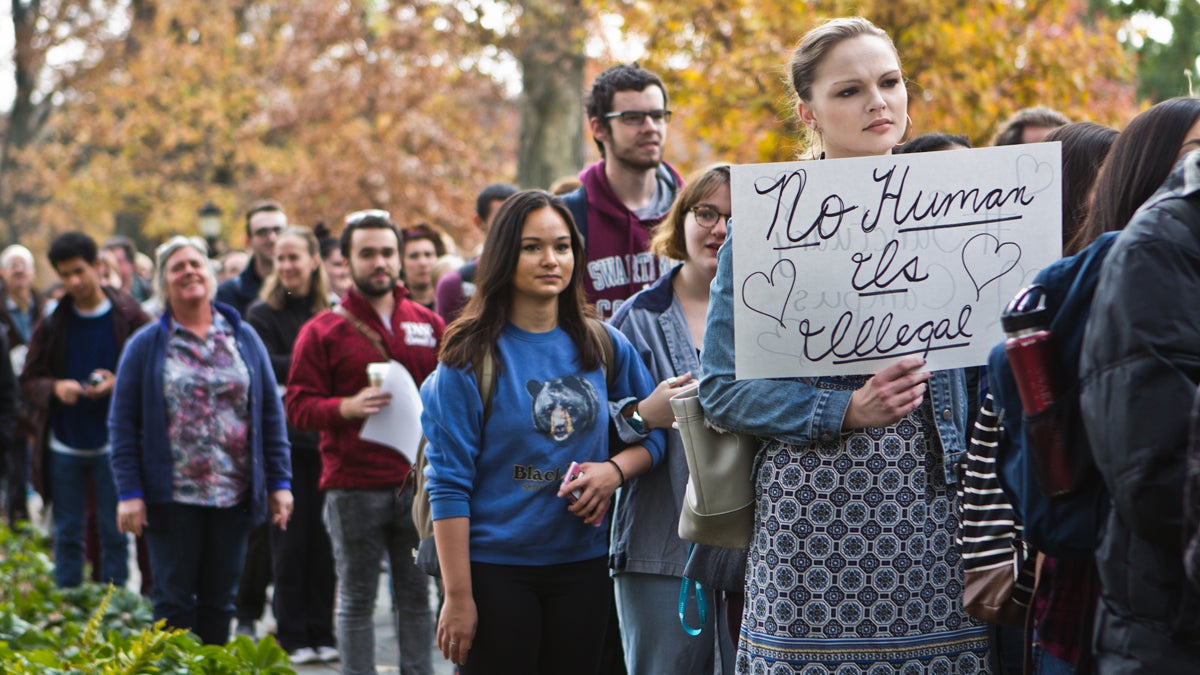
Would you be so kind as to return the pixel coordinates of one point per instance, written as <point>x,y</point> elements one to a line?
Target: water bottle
<point>1031,354</point>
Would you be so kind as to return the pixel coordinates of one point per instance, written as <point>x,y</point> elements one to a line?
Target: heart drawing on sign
<point>986,259</point>
<point>1034,175</point>
<point>761,289</point>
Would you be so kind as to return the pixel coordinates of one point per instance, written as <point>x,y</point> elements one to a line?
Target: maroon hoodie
<point>618,264</point>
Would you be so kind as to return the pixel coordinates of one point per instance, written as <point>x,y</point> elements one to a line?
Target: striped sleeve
<point>989,535</point>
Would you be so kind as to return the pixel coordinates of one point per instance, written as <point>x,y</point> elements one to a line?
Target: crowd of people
<point>219,420</point>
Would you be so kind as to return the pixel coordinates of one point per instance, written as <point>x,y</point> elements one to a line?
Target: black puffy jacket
<point>1140,365</point>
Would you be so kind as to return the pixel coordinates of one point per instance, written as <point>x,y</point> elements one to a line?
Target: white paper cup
<point>376,372</point>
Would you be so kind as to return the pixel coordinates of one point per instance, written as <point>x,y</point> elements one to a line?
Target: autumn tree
<point>327,107</point>
<point>544,40</point>
<point>77,31</point>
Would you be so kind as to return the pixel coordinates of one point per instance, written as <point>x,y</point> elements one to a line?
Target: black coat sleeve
<point>1140,363</point>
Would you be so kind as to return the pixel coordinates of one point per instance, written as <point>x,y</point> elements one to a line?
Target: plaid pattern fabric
<point>1065,607</point>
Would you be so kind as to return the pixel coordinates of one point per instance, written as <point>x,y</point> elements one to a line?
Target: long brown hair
<point>1085,145</point>
<point>473,335</point>
<point>1140,161</point>
<point>275,295</point>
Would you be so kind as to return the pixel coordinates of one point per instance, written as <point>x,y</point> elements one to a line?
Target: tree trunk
<point>24,122</point>
<point>551,56</point>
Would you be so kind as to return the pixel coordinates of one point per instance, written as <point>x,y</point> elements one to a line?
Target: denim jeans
<point>1045,663</point>
<point>197,553</point>
<point>654,639</point>
<point>363,526</point>
<point>69,476</point>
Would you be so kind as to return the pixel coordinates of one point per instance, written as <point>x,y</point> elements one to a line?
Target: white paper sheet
<point>398,424</point>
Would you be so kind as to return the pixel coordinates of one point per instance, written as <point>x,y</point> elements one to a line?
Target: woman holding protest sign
<point>853,566</point>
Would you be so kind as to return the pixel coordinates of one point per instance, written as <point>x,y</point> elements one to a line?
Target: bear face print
<point>563,406</point>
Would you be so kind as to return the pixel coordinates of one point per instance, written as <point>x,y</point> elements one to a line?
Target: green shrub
<point>101,630</point>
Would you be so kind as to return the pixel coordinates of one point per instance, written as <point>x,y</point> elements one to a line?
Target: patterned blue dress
<point>853,566</point>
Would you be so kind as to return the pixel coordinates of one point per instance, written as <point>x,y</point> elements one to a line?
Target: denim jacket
<point>795,410</point>
<point>646,520</point>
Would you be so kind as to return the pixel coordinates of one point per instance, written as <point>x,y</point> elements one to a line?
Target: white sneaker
<point>328,654</point>
<point>303,655</point>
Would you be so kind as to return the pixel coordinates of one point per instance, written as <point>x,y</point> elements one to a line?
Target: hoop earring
<point>907,130</point>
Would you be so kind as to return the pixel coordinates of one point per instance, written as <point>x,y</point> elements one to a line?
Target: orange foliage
<point>324,107</point>
<point>969,65</point>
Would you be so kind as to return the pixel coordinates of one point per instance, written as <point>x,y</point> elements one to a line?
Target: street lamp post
<point>210,226</point>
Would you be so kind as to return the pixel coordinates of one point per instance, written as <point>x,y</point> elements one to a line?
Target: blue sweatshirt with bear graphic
<point>546,413</point>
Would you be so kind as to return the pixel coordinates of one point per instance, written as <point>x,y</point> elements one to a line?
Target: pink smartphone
<point>573,496</point>
<point>573,472</point>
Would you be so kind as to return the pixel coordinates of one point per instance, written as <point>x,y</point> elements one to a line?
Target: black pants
<point>539,619</point>
<point>303,563</point>
<point>256,575</point>
<point>14,470</point>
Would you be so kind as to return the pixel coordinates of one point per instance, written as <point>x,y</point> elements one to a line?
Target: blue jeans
<point>363,526</point>
<point>1045,663</point>
<point>69,476</point>
<point>196,554</point>
<point>653,639</point>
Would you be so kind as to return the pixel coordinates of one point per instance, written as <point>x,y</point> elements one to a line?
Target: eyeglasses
<point>359,216</point>
<point>268,230</point>
<point>707,216</point>
<point>636,118</point>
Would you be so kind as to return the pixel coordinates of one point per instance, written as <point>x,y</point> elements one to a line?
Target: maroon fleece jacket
<point>329,362</point>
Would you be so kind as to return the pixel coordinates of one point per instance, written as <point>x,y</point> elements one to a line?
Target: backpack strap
<point>485,377</point>
<point>603,339</point>
<point>371,334</point>
<point>576,202</point>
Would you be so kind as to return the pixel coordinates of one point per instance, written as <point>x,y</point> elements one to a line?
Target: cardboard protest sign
<point>843,266</point>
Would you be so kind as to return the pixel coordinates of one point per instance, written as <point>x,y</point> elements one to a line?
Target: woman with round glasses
<point>852,567</point>
<point>665,323</point>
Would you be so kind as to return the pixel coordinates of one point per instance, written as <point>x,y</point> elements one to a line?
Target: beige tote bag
<point>718,506</point>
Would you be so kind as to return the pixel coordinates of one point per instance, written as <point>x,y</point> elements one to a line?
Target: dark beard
<point>374,292</point>
<point>639,166</point>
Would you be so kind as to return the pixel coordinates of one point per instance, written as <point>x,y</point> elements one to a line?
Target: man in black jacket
<point>1140,365</point>
<point>264,222</point>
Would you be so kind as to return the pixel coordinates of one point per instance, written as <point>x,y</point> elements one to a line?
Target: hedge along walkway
<point>100,629</point>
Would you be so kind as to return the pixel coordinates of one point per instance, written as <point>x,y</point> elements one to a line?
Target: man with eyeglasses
<point>264,221</point>
<point>629,190</point>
